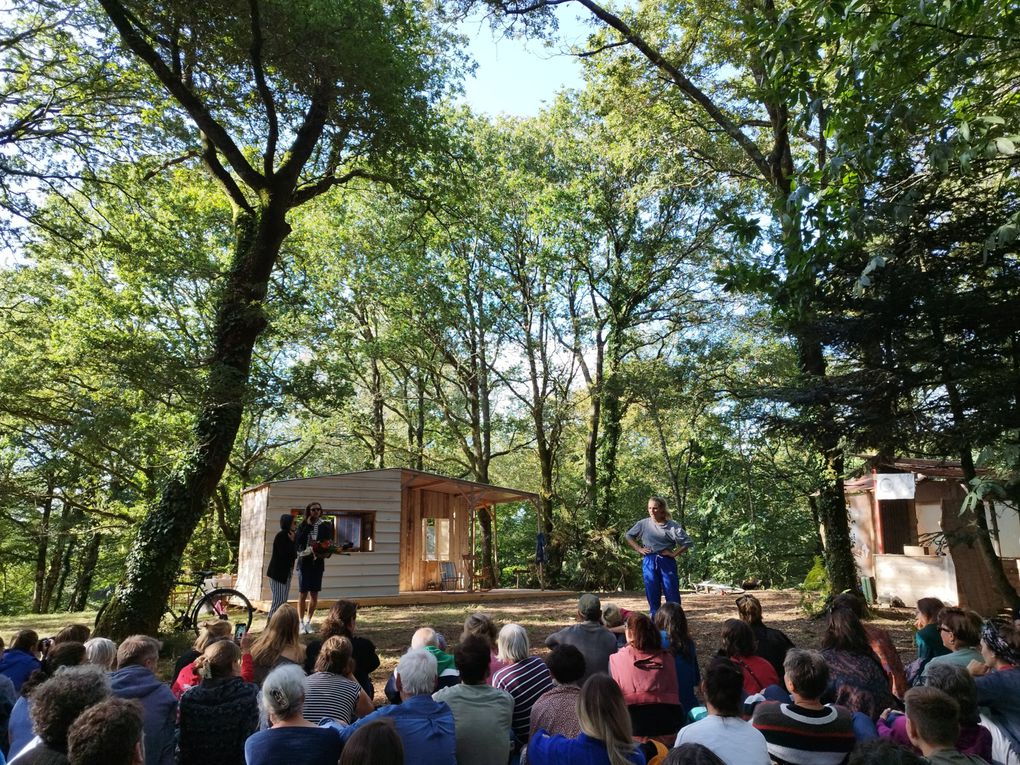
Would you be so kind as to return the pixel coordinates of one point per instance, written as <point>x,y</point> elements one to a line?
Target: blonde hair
<point>282,632</point>
<point>218,660</point>
<point>213,629</point>
<point>602,714</point>
<point>335,655</point>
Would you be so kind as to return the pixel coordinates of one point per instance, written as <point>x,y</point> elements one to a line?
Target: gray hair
<point>283,692</point>
<point>102,652</point>
<point>513,643</point>
<point>418,671</point>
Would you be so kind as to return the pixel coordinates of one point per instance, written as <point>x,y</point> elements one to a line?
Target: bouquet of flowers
<point>326,548</point>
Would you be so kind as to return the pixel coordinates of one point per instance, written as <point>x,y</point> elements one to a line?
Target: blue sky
<point>517,77</point>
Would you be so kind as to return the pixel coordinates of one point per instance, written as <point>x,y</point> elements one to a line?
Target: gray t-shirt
<point>660,536</point>
<point>594,641</point>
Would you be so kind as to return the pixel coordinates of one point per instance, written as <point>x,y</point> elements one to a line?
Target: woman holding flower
<point>311,534</point>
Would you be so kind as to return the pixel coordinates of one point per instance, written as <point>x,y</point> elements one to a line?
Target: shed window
<point>435,538</point>
<point>356,528</point>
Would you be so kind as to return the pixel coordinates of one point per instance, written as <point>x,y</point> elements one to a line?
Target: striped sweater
<point>525,680</point>
<point>330,696</point>
<point>799,736</point>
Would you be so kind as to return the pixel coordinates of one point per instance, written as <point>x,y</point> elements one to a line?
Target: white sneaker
<point>306,628</point>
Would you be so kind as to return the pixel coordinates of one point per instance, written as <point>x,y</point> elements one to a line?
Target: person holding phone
<point>313,529</point>
<point>281,564</point>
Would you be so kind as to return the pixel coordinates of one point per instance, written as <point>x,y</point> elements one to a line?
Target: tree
<point>321,89</point>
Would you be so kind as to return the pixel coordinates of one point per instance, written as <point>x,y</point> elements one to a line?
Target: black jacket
<point>216,719</point>
<point>284,554</point>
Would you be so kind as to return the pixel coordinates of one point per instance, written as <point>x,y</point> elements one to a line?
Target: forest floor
<point>390,627</point>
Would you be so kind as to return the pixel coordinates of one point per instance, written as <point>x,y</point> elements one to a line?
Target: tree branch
<point>269,158</point>
<point>196,109</point>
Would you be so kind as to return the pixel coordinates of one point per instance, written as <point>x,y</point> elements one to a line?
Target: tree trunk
<point>613,410</point>
<point>41,552</point>
<point>155,558</point>
<point>86,570</point>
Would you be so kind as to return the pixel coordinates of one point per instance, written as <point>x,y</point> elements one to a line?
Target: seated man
<point>433,642</point>
<point>730,738</point>
<point>933,726</point>
<point>482,714</point>
<point>589,636</point>
<point>426,727</point>
<point>109,733</point>
<point>805,732</point>
<point>136,678</point>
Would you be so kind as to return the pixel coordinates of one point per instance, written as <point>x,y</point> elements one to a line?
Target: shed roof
<point>477,494</point>
<point>927,468</point>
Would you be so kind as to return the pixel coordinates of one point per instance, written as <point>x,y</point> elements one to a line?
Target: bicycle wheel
<point>223,604</point>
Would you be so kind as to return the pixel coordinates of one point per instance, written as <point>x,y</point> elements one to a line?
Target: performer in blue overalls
<point>661,540</point>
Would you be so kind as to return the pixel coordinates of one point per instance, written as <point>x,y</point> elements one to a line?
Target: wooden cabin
<point>411,531</point>
<point>899,510</point>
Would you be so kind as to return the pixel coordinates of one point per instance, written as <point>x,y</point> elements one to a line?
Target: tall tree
<point>282,103</point>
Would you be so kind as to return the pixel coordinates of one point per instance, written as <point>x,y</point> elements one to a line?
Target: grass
<point>390,627</point>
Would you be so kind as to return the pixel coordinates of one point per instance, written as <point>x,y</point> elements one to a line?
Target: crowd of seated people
<point>277,698</point>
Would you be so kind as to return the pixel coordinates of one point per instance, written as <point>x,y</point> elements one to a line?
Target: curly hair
<point>58,702</point>
<point>106,733</point>
<point>61,655</point>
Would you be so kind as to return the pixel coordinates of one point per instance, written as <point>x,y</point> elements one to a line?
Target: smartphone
<point>239,630</point>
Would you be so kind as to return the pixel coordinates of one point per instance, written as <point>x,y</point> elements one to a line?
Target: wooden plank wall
<point>415,572</point>
<point>366,574</point>
<point>251,560</point>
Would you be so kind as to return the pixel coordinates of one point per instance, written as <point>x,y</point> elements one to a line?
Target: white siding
<point>252,555</point>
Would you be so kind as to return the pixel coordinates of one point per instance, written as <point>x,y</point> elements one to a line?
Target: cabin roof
<point>477,494</point>
<point>926,468</point>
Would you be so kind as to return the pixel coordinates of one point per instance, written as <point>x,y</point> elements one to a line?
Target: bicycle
<point>192,602</point>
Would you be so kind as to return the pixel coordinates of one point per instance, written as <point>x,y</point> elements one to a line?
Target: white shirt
<point>734,741</point>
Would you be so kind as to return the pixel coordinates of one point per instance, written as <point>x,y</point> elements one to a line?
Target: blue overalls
<point>659,573</point>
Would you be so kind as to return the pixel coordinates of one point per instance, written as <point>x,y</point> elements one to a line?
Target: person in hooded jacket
<point>136,679</point>
<point>281,564</point>
<point>19,661</point>
<point>219,714</point>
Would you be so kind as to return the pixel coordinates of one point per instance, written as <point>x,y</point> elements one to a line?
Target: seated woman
<point>605,737</point>
<point>671,621</point>
<point>482,625</point>
<point>879,640</point>
<point>856,677</point>
<point>331,692</point>
<point>772,644</point>
<point>997,680</point>
<point>647,676</point>
<point>342,620</point>
<point>279,644</point>
<point>954,680</point>
<point>20,724</point>
<point>961,632</point>
<point>738,645</point>
<point>927,639</point>
<point>524,677</point>
<point>214,629</point>
<point>219,714</point>
<point>291,738</point>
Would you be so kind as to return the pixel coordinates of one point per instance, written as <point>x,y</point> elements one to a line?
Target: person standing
<point>281,564</point>
<point>659,539</point>
<point>311,566</point>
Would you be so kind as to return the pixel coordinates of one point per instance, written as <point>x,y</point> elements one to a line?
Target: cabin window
<point>356,528</point>
<point>435,538</point>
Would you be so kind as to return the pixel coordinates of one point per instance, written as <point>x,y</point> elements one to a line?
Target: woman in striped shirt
<point>331,692</point>
<point>525,678</point>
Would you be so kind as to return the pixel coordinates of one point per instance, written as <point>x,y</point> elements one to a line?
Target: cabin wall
<point>252,557</point>
<point>911,578</point>
<point>862,532</point>
<point>1008,521</point>
<point>359,574</point>
<point>417,573</point>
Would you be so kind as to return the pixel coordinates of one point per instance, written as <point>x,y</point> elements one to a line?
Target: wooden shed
<point>407,527</point>
<point>899,512</point>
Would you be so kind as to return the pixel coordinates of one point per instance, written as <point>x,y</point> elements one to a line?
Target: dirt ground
<point>390,628</point>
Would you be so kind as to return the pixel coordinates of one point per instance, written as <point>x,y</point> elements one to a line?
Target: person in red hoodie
<point>647,676</point>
